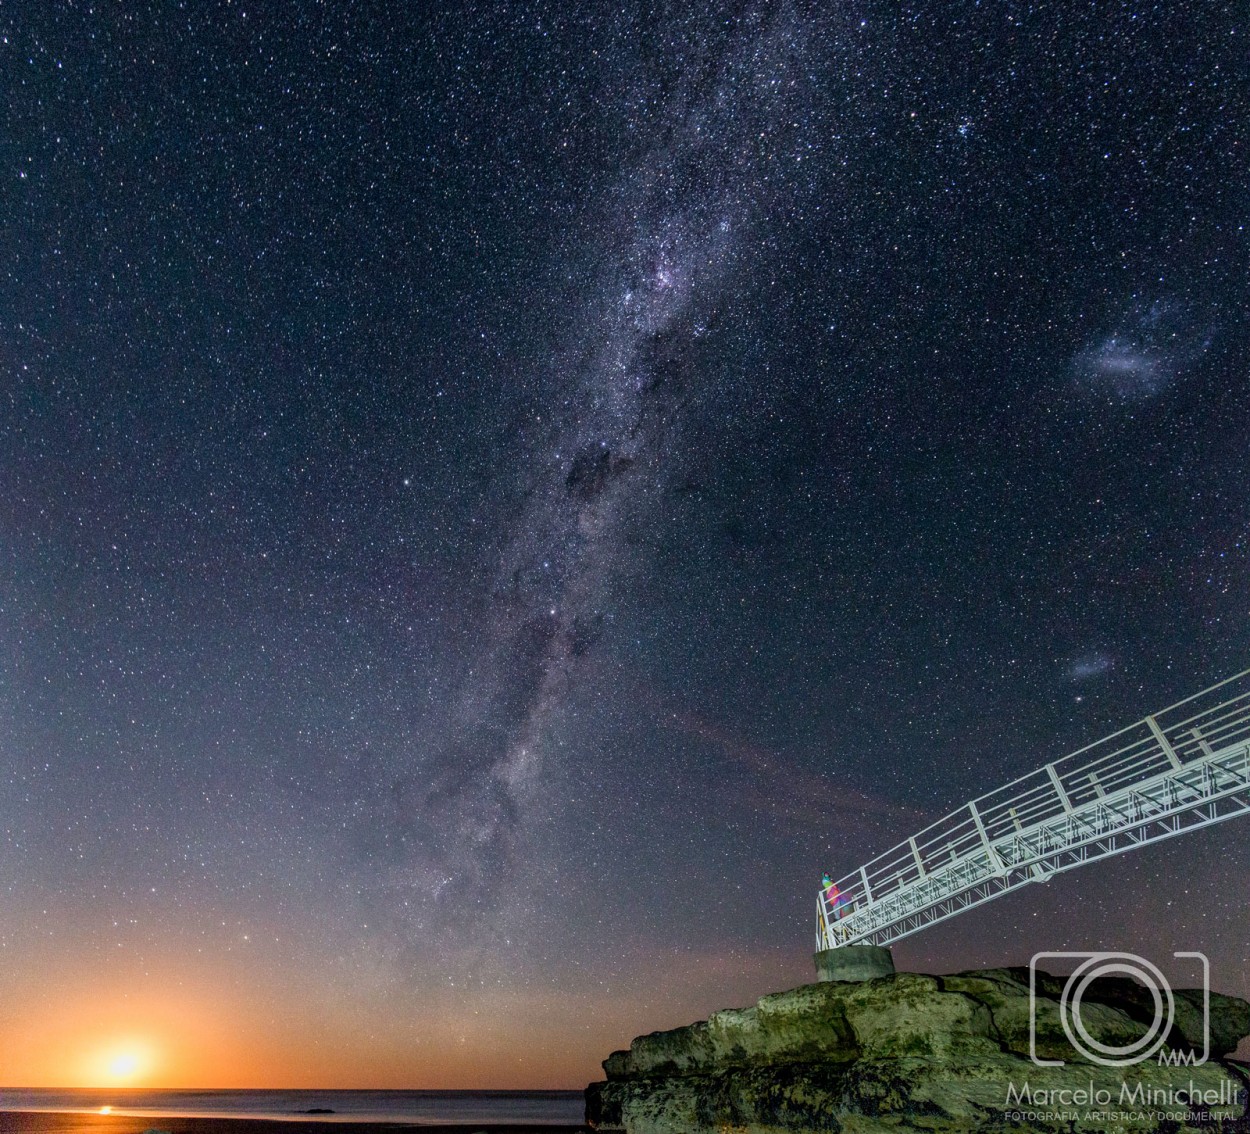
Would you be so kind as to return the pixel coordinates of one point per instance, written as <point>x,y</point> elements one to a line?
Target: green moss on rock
<point>910,1052</point>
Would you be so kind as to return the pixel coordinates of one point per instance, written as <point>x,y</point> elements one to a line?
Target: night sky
<point>495,499</point>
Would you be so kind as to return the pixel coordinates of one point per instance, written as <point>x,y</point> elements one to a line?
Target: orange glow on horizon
<point>102,1022</point>
<point>98,1029</point>
<point>127,1062</point>
<point>186,1033</point>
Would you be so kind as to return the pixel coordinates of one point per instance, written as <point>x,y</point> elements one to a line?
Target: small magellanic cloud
<point>1089,666</point>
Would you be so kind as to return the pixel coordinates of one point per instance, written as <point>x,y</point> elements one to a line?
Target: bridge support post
<point>854,962</point>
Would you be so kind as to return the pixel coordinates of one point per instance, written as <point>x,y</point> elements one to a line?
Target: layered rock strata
<point>908,1052</point>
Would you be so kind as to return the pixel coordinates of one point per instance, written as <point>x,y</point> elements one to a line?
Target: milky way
<point>679,226</point>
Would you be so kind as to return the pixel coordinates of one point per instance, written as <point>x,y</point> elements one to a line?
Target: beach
<point>50,1122</point>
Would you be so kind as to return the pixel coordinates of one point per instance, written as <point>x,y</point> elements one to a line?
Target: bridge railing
<point>1208,722</point>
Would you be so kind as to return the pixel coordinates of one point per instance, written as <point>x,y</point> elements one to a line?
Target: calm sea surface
<point>482,1107</point>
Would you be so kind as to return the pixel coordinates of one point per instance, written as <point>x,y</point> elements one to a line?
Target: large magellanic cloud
<point>1153,345</point>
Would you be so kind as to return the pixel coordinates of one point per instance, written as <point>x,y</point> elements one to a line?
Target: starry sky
<point>496,498</point>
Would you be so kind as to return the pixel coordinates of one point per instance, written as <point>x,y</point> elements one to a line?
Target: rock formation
<point>908,1052</point>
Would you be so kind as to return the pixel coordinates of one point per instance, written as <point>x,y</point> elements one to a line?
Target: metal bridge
<point>1180,769</point>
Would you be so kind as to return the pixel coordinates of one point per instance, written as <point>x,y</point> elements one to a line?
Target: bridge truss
<point>1180,769</point>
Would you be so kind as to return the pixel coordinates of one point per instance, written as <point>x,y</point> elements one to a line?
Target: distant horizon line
<point>339,1090</point>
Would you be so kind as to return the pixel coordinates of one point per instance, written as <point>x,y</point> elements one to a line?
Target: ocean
<point>536,1108</point>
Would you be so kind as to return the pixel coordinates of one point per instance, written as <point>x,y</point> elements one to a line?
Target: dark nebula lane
<point>681,228</point>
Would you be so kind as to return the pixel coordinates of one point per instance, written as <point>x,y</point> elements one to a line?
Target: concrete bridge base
<point>854,962</point>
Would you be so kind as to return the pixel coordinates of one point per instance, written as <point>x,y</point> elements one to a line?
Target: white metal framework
<point>1180,769</point>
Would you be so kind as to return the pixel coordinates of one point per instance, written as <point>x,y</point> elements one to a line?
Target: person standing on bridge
<point>833,896</point>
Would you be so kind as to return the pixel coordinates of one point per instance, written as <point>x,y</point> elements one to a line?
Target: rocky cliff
<point>908,1052</point>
